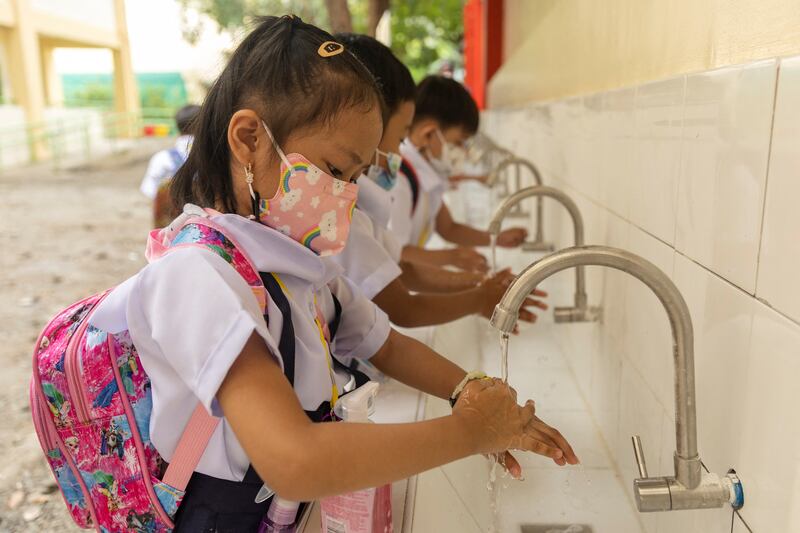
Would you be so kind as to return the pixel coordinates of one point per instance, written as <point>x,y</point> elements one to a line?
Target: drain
<point>555,528</point>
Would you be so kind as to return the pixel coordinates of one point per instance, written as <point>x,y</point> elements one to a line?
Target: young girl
<point>372,254</point>
<point>291,121</point>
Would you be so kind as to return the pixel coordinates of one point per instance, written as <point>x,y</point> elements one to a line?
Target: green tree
<point>423,31</point>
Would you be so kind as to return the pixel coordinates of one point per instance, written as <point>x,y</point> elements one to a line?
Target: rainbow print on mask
<point>287,174</point>
<point>310,236</point>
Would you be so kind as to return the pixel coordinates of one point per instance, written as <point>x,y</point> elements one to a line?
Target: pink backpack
<point>91,405</point>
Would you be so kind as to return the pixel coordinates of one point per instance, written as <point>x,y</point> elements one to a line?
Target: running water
<point>494,492</point>
<point>504,357</point>
<point>493,244</point>
<point>492,486</point>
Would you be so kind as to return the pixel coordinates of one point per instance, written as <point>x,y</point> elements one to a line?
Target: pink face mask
<point>310,206</point>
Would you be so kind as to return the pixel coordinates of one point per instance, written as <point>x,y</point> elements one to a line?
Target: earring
<point>248,177</point>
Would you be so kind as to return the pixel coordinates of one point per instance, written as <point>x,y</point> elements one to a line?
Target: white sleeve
<point>194,312</point>
<point>365,261</point>
<point>363,326</point>
<point>389,243</point>
<point>402,203</point>
<point>159,169</point>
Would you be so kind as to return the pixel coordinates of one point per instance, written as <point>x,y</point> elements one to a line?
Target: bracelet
<point>475,374</point>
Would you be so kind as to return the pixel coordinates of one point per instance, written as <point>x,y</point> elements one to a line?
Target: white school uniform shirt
<point>190,314</point>
<point>376,203</point>
<point>417,227</point>
<point>364,259</point>
<point>163,166</point>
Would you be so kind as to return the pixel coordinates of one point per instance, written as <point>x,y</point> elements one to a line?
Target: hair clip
<point>330,48</point>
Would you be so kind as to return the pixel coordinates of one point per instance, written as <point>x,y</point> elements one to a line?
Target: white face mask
<point>451,161</point>
<point>385,178</point>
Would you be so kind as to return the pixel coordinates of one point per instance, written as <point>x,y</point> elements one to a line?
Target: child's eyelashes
<point>335,172</point>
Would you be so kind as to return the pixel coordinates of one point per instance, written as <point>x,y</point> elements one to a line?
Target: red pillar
<point>483,45</point>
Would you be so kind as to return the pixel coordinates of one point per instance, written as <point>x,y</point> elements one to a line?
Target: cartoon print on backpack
<point>140,522</point>
<point>113,441</point>
<point>59,406</point>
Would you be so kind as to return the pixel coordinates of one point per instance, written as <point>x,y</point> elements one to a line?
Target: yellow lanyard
<point>322,339</point>
<point>328,356</point>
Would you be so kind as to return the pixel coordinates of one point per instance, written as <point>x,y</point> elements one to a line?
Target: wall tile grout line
<point>766,178</point>
<point>716,274</point>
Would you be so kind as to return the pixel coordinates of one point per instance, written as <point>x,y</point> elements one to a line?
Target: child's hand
<point>468,259</point>
<point>512,237</point>
<point>489,408</point>
<point>495,287</point>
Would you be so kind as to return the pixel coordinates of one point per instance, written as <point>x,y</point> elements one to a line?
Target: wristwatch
<point>475,374</point>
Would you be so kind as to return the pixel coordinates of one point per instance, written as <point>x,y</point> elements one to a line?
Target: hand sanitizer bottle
<point>363,511</point>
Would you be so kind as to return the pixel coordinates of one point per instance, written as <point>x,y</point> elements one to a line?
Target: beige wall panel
<point>558,48</point>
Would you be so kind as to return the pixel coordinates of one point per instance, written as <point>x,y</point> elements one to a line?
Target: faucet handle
<point>639,454</point>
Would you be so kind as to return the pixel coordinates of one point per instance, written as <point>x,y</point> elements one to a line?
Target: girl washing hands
<point>290,124</point>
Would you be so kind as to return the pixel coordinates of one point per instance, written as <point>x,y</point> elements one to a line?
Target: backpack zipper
<point>72,368</point>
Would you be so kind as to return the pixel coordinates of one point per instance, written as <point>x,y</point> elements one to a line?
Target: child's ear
<point>244,130</point>
<point>426,131</point>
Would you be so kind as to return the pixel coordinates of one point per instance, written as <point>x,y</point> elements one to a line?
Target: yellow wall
<point>557,48</point>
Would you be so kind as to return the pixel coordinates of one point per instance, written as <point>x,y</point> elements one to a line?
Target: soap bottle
<point>363,511</point>
<point>280,517</point>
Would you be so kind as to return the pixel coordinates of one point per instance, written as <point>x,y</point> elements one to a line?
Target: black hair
<point>394,78</point>
<point>281,71</point>
<point>184,118</point>
<point>448,102</point>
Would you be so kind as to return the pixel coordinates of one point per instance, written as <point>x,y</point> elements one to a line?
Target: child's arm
<point>303,461</point>
<point>430,278</point>
<point>464,258</point>
<point>429,309</point>
<point>464,235</point>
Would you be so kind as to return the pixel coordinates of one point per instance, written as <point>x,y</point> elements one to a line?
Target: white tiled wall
<point>699,174</point>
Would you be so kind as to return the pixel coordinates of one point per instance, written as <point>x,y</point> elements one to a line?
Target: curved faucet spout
<point>518,163</point>
<point>687,461</point>
<point>580,312</point>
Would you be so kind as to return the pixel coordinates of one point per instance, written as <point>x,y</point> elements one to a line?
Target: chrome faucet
<point>518,163</point>
<point>581,311</point>
<point>689,488</point>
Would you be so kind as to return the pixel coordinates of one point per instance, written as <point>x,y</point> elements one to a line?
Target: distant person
<point>164,164</point>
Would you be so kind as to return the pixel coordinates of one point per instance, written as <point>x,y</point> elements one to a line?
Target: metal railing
<point>70,139</point>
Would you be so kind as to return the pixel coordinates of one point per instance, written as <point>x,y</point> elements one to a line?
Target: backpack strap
<point>178,159</point>
<point>413,181</point>
<point>286,344</point>
<point>359,376</point>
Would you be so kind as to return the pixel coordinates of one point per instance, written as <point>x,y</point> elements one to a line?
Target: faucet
<point>581,311</point>
<point>689,488</point>
<point>538,244</point>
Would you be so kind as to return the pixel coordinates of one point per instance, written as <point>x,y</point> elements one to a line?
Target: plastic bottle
<point>280,517</point>
<point>363,511</point>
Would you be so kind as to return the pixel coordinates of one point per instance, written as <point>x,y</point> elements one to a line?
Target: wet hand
<point>512,237</point>
<point>489,408</point>
<point>468,259</point>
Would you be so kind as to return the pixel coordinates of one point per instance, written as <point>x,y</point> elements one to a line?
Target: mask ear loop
<point>278,149</point>
<point>255,198</point>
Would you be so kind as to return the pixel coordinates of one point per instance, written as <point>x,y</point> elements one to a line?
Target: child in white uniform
<point>446,116</point>
<point>372,253</point>
<point>292,118</point>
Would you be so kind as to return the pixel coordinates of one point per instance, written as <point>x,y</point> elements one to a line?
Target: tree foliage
<point>422,31</point>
